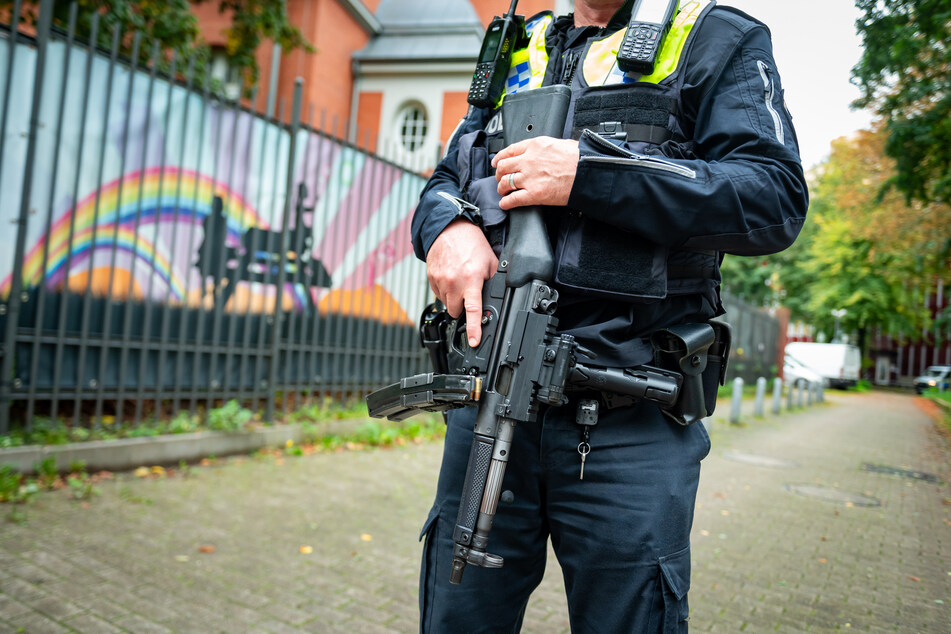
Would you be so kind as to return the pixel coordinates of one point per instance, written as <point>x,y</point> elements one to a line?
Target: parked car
<point>838,363</point>
<point>795,373</point>
<point>938,376</point>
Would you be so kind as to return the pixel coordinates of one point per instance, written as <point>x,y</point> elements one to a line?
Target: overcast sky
<point>816,46</point>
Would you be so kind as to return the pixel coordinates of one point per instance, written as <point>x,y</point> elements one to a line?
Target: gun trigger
<point>590,354</point>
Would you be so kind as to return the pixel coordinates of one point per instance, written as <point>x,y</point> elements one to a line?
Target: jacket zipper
<point>770,90</point>
<point>627,157</point>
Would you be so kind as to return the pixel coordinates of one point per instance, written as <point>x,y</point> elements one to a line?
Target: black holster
<point>700,353</point>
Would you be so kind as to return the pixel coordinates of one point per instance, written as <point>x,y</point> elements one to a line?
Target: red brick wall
<point>368,118</point>
<point>454,106</point>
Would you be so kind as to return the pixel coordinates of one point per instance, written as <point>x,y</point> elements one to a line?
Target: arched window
<point>411,124</point>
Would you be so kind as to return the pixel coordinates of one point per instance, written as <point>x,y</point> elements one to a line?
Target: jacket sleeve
<point>741,188</point>
<point>436,207</point>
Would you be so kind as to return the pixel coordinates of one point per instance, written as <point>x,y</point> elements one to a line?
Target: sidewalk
<point>328,543</point>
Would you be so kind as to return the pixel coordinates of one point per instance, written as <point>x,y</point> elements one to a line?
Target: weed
<point>229,417</point>
<point>47,471</point>
<point>80,487</point>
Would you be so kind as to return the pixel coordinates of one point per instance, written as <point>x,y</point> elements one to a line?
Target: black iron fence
<point>168,248</point>
<point>172,249</point>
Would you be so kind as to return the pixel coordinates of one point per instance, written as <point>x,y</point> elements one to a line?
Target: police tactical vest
<point>643,110</point>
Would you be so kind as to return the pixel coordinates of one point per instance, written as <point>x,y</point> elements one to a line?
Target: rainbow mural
<point>146,166</point>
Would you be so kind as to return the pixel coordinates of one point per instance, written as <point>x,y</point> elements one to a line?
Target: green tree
<point>868,250</point>
<point>905,76</point>
<point>173,27</point>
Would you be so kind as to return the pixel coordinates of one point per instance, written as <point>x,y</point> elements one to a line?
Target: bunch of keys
<point>587,417</point>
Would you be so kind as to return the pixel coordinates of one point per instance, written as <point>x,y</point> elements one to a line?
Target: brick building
<point>391,75</point>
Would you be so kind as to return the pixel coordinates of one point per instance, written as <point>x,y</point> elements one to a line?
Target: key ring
<point>584,448</point>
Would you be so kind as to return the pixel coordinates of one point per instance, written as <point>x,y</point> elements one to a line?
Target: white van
<point>838,363</point>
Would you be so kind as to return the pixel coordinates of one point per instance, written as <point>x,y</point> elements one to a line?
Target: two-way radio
<point>650,21</point>
<point>501,38</point>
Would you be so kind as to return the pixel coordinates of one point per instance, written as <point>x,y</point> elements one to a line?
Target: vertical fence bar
<point>199,312</point>
<point>16,282</point>
<point>315,343</point>
<point>85,318</point>
<point>113,259</point>
<point>309,311</point>
<point>218,265</point>
<point>164,344</point>
<point>281,271</point>
<point>301,243</point>
<point>149,306</point>
<point>222,271</point>
<point>234,279</point>
<point>54,173</point>
<point>129,306</point>
<point>67,266</point>
<point>201,348</point>
<point>11,50</point>
<point>252,248</point>
<point>266,320</point>
<point>336,243</point>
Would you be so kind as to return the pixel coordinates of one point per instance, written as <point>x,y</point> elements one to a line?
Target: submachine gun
<point>521,362</point>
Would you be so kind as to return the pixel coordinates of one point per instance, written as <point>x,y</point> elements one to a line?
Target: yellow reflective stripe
<point>527,69</point>
<point>602,59</point>
<point>669,57</point>
<point>600,63</point>
<point>538,54</point>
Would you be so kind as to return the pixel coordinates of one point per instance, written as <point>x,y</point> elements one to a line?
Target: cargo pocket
<point>427,576</point>
<point>675,581</point>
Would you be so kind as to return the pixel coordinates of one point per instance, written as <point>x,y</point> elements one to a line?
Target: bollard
<point>809,389</point>
<point>821,393</point>
<point>790,395</point>
<point>799,388</point>
<point>777,393</point>
<point>760,396</point>
<point>737,400</point>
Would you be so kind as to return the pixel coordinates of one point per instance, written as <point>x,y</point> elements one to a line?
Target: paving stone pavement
<point>765,558</point>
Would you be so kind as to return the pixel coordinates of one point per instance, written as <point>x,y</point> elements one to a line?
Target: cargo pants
<point>621,534</point>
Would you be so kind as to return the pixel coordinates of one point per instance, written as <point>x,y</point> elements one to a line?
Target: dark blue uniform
<point>621,534</point>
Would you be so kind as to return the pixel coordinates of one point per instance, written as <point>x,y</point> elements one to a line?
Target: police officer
<point>654,179</point>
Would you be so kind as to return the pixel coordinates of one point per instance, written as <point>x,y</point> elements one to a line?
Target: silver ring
<point>512,181</point>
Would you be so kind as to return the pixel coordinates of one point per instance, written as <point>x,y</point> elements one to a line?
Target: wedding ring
<point>512,181</point>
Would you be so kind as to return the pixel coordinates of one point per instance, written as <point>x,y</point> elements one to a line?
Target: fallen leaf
<point>142,472</point>
<point>823,539</point>
<point>705,532</point>
<point>366,537</point>
<point>306,550</point>
<point>158,470</point>
<point>181,558</point>
<point>724,512</point>
<point>207,548</point>
<point>722,496</point>
<point>823,560</point>
<point>289,443</point>
<point>946,501</point>
<point>914,578</point>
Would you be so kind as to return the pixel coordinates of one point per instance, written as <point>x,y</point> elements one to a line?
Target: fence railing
<point>171,248</point>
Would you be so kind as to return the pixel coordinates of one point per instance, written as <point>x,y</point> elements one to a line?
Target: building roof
<point>424,31</point>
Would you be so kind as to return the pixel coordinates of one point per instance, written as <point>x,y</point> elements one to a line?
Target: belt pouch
<point>683,348</point>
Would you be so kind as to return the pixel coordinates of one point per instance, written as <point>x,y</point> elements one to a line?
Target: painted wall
<point>123,188</point>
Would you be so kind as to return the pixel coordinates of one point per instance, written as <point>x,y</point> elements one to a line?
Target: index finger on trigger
<point>473,305</point>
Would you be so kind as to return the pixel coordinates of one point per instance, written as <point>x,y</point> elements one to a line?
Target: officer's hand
<point>542,169</point>
<point>458,263</point>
